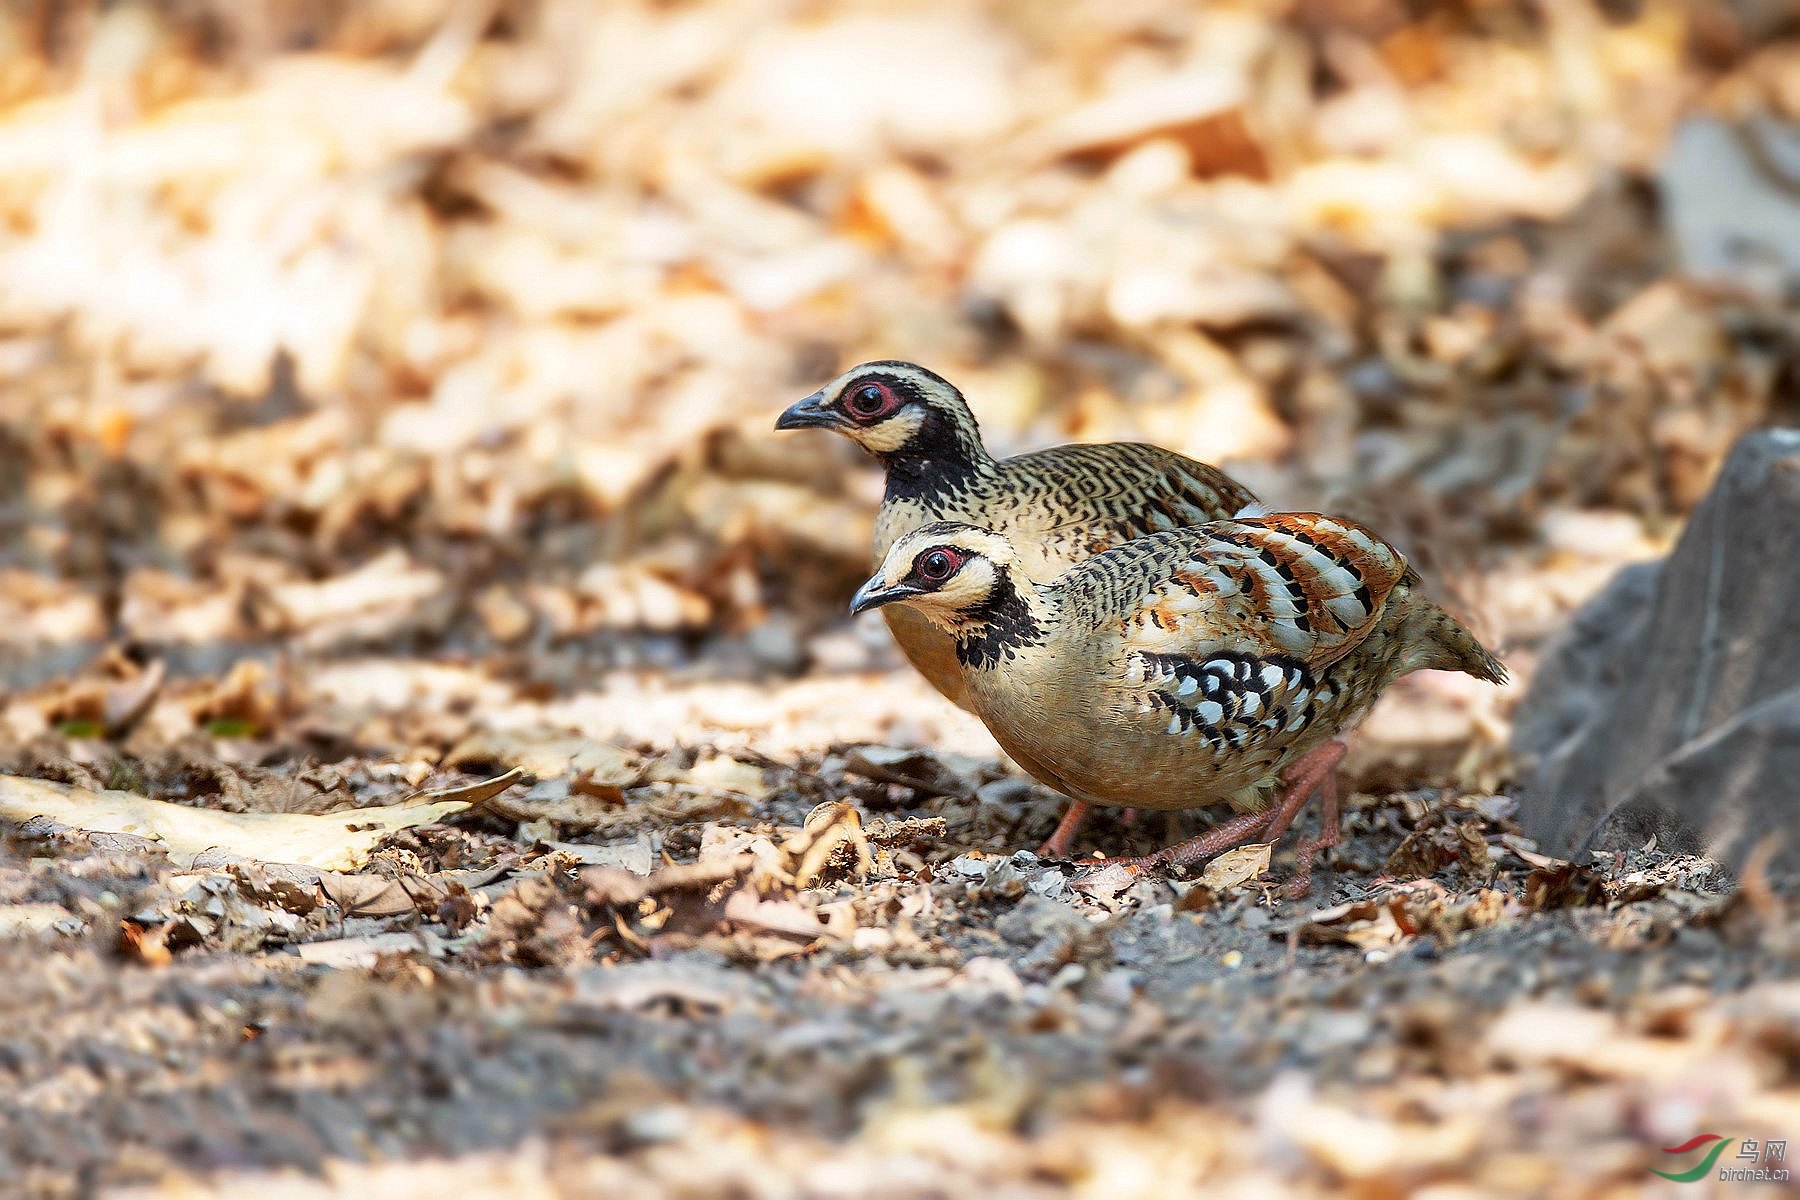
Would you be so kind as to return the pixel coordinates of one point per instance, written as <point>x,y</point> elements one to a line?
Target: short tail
<point>1478,661</point>
<point>1453,648</point>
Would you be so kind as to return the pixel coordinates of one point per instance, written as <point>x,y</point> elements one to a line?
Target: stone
<point>1731,210</point>
<point>1670,707</point>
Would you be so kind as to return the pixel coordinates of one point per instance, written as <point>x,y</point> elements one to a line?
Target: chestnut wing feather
<point>1232,624</point>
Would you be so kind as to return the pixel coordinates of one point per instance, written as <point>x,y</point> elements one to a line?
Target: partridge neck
<point>1016,617</point>
<point>944,458</point>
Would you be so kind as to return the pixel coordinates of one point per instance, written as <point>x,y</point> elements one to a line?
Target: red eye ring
<point>871,398</point>
<point>937,564</point>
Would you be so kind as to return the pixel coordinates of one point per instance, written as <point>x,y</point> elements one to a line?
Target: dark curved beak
<point>810,413</point>
<point>873,595</point>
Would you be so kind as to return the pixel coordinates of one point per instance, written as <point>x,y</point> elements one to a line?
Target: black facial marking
<point>944,454</point>
<point>1005,625</point>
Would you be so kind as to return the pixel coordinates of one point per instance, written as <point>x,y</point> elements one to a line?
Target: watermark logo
<point>1761,1169</point>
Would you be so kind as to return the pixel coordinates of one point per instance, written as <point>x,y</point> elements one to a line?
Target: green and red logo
<point>1719,1145</point>
<point>1759,1165</point>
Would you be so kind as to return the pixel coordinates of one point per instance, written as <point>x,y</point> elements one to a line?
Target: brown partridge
<point>1201,666</point>
<point>1059,506</point>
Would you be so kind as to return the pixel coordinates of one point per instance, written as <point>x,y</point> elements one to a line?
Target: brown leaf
<point>1477,860</point>
<point>366,895</point>
<point>1422,853</point>
<point>147,945</point>
<point>472,794</point>
<point>1563,885</point>
<point>457,910</point>
<point>832,832</point>
<point>921,770</point>
<point>1366,924</point>
<point>293,888</point>
<point>785,917</point>
<point>546,754</point>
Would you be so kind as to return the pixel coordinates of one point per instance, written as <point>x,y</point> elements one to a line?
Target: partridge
<point>1059,506</point>
<point>1201,666</point>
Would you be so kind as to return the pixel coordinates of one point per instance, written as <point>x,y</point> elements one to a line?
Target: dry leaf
<point>27,920</point>
<point>366,895</point>
<point>471,794</point>
<point>365,952</point>
<point>546,754</point>
<point>1236,866</point>
<point>927,773</point>
<point>334,841</point>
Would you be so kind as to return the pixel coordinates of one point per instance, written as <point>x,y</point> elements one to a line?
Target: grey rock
<point>1671,705</point>
<point>1728,193</point>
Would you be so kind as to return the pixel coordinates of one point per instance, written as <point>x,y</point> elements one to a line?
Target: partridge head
<point>899,412</point>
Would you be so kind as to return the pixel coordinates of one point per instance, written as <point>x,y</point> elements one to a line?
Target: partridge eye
<point>936,566</point>
<point>868,400</point>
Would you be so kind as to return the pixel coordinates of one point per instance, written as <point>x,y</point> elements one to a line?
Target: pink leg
<point>1221,837</point>
<point>1302,778</point>
<point>1119,872</point>
<point>1314,770</point>
<point>1329,832</point>
<point>1058,844</point>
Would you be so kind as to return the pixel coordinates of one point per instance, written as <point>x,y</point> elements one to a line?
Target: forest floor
<point>828,971</point>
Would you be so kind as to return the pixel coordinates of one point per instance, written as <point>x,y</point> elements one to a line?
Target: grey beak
<point>873,595</point>
<point>809,413</point>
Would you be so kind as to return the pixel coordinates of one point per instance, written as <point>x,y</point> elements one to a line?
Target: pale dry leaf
<point>333,841</point>
<point>1237,866</point>
<point>365,952</point>
<point>723,773</point>
<point>469,793</point>
<point>546,754</point>
<point>26,920</point>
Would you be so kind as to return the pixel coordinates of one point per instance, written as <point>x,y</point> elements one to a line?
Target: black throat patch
<point>942,457</point>
<point>1006,626</point>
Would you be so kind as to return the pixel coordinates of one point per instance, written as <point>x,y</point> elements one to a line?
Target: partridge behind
<point>1059,506</point>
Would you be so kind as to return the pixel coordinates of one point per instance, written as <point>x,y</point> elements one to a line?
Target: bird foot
<point>1057,844</point>
<point>1316,771</point>
<point>1119,873</point>
<point>1313,772</point>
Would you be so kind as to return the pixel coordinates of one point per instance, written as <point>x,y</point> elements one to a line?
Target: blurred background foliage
<point>461,324</point>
